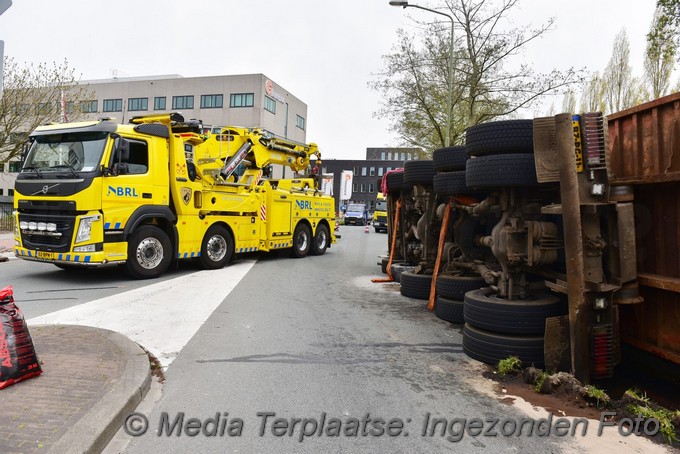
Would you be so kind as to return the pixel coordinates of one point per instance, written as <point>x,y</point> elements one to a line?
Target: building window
<point>388,169</point>
<point>182,102</point>
<point>2,191</point>
<point>15,166</point>
<point>21,109</point>
<point>67,107</point>
<point>371,171</point>
<point>212,101</point>
<point>363,188</point>
<point>159,103</point>
<point>403,156</point>
<point>10,192</point>
<point>371,188</point>
<point>43,108</point>
<point>363,171</point>
<point>382,155</point>
<point>88,106</point>
<point>380,171</point>
<point>356,170</point>
<point>241,100</point>
<point>138,104</point>
<point>113,105</point>
<point>355,187</point>
<point>269,104</point>
<point>300,122</point>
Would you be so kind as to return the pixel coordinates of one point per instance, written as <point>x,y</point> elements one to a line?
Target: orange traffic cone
<point>366,229</point>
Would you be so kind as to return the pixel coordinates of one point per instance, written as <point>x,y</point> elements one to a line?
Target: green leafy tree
<point>659,57</point>
<point>489,81</point>
<point>621,89</point>
<point>34,95</point>
<point>592,94</point>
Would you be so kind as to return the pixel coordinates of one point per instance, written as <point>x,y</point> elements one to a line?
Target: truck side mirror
<point>120,156</point>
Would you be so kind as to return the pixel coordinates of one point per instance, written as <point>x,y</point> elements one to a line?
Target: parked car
<point>356,214</point>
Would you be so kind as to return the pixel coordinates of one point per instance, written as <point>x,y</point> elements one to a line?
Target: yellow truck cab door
<point>129,184</point>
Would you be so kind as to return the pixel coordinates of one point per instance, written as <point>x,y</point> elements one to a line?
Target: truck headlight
<point>85,228</point>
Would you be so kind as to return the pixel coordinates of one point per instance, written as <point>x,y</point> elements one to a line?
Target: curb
<point>96,429</point>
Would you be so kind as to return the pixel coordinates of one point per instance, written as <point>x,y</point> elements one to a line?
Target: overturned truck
<point>563,241</point>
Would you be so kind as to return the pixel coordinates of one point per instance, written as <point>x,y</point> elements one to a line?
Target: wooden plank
<point>671,284</point>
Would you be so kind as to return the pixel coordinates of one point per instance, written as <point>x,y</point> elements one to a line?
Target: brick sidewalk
<point>91,379</point>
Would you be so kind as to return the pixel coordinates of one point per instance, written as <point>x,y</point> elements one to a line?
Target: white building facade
<point>250,100</point>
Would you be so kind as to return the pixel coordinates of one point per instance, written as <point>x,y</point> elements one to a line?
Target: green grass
<point>662,415</point>
<point>598,394</point>
<point>539,383</point>
<point>509,365</point>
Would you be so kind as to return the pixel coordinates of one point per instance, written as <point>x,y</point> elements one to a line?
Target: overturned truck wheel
<point>489,347</point>
<point>415,285</point>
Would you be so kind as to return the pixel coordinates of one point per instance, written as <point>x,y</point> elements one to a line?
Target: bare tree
<point>659,57</point>
<point>569,101</point>
<point>488,81</point>
<point>34,95</point>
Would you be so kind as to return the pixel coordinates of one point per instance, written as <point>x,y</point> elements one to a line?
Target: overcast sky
<point>322,51</point>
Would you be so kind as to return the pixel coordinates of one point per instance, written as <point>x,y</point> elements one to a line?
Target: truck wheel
<point>497,137</point>
<point>149,252</point>
<point>415,285</point>
<point>395,181</point>
<point>449,159</point>
<point>420,171</point>
<point>455,287</point>
<point>514,170</point>
<point>449,310</point>
<point>302,241</point>
<point>489,347</point>
<point>217,249</point>
<point>450,183</point>
<point>485,310</point>
<point>320,241</point>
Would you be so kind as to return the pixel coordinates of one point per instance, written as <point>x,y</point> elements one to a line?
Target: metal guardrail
<point>6,218</point>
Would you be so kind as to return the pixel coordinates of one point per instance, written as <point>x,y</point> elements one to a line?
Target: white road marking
<point>161,317</point>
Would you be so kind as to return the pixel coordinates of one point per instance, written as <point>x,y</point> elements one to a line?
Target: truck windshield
<point>73,152</point>
<point>381,205</point>
<point>355,208</point>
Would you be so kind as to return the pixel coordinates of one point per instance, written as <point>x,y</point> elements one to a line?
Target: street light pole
<point>405,4</point>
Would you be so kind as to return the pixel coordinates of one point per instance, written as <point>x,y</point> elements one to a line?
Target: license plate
<point>45,255</point>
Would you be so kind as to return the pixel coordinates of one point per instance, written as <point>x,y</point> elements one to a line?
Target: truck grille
<point>44,242</point>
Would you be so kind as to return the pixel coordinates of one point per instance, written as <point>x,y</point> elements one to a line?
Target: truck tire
<point>450,183</point>
<point>399,268</point>
<point>420,171</point>
<point>455,287</point>
<point>490,348</point>
<point>217,249</point>
<point>499,137</point>
<point>302,241</point>
<point>485,310</point>
<point>507,170</point>
<point>449,310</point>
<point>320,241</point>
<point>449,159</point>
<point>149,252</point>
<point>395,181</point>
<point>415,285</point>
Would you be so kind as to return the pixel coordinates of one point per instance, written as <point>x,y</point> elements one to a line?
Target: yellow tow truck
<point>380,213</point>
<point>159,189</point>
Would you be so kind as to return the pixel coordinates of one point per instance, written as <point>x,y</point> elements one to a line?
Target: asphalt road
<point>304,338</point>
<point>274,354</point>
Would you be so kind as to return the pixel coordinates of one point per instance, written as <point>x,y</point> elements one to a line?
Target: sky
<point>324,52</point>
